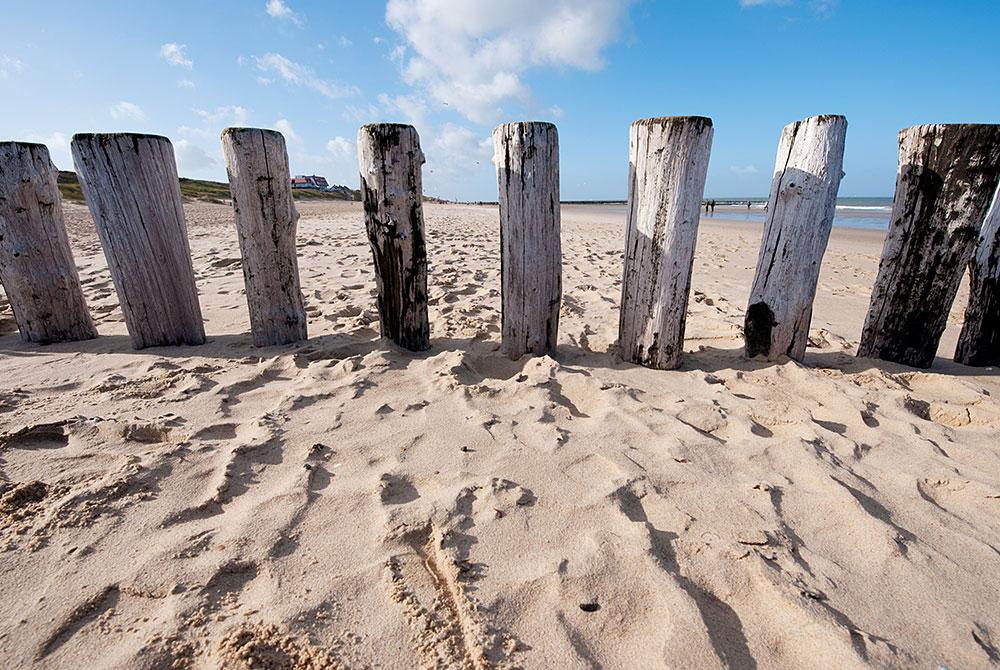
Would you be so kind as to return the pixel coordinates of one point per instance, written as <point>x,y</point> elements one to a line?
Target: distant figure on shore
<point>706,206</point>
<point>712,205</point>
<point>748,204</point>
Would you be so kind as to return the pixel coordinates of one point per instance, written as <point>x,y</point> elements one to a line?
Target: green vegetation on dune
<point>198,189</point>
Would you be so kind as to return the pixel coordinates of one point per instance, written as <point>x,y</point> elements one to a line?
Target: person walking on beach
<point>706,206</point>
<point>711,203</point>
<point>748,204</point>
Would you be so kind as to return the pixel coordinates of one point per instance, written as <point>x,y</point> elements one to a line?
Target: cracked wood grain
<point>36,263</point>
<point>668,164</point>
<point>266,222</point>
<point>130,184</point>
<point>527,162</point>
<point>390,160</point>
<point>801,206</point>
<point>946,179</point>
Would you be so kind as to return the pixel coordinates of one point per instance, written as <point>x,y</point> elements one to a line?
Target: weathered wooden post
<point>527,162</point>
<point>266,219</point>
<point>668,164</point>
<point>390,158</point>
<point>979,342</point>
<point>803,201</point>
<point>36,264</point>
<point>130,184</point>
<point>947,176</point>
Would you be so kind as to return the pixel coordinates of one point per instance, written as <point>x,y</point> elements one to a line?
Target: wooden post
<point>979,342</point>
<point>130,184</point>
<point>36,263</point>
<point>390,158</point>
<point>527,161</point>
<point>668,164</point>
<point>803,200</point>
<point>947,176</point>
<point>266,219</point>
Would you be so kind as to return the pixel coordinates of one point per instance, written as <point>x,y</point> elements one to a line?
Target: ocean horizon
<point>852,212</point>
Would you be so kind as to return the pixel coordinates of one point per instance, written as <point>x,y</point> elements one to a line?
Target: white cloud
<point>10,66</point>
<point>284,126</point>
<point>175,54</point>
<point>454,153</point>
<point>230,115</point>
<point>279,10</point>
<point>743,170</point>
<point>471,54</point>
<point>185,83</point>
<point>344,42</point>
<point>340,147</point>
<point>557,112</point>
<point>302,75</point>
<point>127,110</point>
<point>192,159</point>
<point>409,108</point>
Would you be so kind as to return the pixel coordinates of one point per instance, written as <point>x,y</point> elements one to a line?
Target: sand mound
<point>341,503</point>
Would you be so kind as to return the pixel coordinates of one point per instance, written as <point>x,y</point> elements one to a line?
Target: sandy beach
<point>345,504</point>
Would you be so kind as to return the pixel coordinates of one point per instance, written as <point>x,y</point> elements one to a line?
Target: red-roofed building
<point>312,181</point>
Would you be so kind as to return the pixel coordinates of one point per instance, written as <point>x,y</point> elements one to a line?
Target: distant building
<point>312,181</point>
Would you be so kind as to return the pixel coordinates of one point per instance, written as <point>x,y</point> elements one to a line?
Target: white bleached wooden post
<point>979,342</point>
<point>390,161</point>
<point>36,264</point>
<point>946,180</point>
<point>800,211</point>
<point>527,162</point>
<point>266,220</point>
<point>668,164</point>
<point>130,184</point>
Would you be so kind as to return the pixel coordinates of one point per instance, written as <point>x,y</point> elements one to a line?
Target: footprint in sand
<point>396,490</point>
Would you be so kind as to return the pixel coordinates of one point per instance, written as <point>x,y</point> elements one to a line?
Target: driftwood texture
<point>801,206</point>
<point>266,220</point>
<point>947,177</point>
<point>527,161</point>
<point>130,184</point>
<point>979,342</point>
<point>390,161</point>
<point>36,263</point>
<point>668,164</point>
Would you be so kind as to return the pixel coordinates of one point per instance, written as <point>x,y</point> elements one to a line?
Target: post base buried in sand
<point>979,341</point>
<point>131,186</point>
<point>390,160</point>
<point>668,165</point>
<point>947,178</point>
<point>527,163</point>
<point>801,207</point>
<point>37,269</point>
<point>266,219</point>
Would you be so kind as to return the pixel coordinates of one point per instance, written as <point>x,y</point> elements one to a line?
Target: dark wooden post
<point>266,219</point>
<point>527,162</point>
<point>668,165</point>
<point>979,342</point>
<point>390,160</point>
<point>36,263</point>
<point>130,184</point>
<point>947,177</point>
<point>800,212</point>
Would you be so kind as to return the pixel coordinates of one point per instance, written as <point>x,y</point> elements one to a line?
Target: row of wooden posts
<point>946,182</point>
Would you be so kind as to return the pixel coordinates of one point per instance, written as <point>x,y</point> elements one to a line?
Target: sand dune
<point>342,503</point>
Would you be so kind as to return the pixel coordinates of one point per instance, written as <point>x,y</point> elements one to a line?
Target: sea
<point>868,213</point>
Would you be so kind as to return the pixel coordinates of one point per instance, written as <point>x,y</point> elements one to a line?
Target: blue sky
<point>317,69</point>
